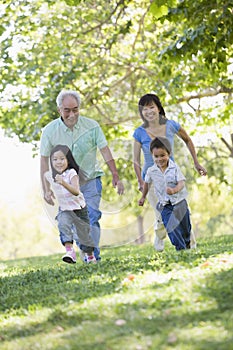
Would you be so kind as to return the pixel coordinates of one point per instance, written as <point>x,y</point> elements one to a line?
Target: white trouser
<point>158,225</point>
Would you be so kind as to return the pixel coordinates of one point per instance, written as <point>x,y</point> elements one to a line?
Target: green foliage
<point>112,55</point>
<point>135,298</point>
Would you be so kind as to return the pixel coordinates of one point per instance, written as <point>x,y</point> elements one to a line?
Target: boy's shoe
<point>160,230</point>
<point>82,255</point>
<point>97,254</point>
<point>90,259</point>
<point>158,244</point>
<point>69,257</point>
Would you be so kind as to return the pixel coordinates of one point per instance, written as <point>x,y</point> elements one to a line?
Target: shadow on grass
<point>46,282</point>
<point>156,323</point>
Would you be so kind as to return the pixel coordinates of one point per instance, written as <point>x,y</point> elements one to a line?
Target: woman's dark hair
<point>161,142</point>
<point>147,100</point>
<point>69,156</point>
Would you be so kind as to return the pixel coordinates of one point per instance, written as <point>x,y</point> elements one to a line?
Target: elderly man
<point>83,136</point>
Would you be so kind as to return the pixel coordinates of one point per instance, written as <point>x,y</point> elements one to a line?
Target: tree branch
<point>228,146</point>
<point>208,93</point>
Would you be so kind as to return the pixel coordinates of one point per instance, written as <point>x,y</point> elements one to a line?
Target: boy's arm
<point>144,194</point>
<point>177,188</point>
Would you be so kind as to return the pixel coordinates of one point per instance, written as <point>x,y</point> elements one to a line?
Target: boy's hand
<point>141,201</point>
<point>170,190</point>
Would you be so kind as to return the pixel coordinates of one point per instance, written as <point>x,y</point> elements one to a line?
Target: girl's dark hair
<point>147,100</point>
<point>69,156</point>
<point>161,142</point>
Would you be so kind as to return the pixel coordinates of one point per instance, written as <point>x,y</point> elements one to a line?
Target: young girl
<point>169,185</point>
<point>72,216</point>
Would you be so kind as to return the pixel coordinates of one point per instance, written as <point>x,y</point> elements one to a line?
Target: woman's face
<point>59,162</point>
<point>150,112</point>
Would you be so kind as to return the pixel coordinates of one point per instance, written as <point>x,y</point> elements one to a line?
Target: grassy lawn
<point>134,299</point>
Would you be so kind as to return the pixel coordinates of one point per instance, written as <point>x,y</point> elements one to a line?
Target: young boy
<point>169,184</point>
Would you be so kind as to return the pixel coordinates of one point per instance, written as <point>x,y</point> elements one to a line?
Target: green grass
<point>134,299</point>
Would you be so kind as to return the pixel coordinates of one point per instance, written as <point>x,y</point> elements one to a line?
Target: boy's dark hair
<point>161,142</point>
<point>69,156</point>
<point>147,100</point>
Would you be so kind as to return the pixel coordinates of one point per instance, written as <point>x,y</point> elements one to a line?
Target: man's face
<point>69,111</point>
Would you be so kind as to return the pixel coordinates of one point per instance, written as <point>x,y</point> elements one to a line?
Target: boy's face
<point>161,157</point>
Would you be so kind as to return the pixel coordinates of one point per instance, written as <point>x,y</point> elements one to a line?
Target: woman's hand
<point>141,201</point>
<point>140,185</point>
<point>201,170</point>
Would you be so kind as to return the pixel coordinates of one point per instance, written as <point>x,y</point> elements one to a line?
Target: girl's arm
<point>137,163</point>
<point>73,187</point>
<point>189,143</point>
<point>177,188</point>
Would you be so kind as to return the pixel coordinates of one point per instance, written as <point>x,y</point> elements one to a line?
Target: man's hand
<point>120,187</point>
<point>49,197</point>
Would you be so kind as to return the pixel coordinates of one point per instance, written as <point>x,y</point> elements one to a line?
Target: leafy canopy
<point>113,54</point>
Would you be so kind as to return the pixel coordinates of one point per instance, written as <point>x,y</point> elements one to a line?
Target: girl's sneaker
<point>90,259</point>
<point>69,257</point>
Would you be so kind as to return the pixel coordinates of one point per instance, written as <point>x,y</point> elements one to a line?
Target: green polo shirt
<point>83,141</point>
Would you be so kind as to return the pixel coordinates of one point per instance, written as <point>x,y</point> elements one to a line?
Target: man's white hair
<point>65,93</point>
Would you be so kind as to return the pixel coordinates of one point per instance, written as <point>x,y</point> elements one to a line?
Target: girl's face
<point>150,111</point>
<point>161,157</point>
<point>59,162</point>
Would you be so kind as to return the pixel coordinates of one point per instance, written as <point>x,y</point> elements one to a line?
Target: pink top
<point>66,200</point>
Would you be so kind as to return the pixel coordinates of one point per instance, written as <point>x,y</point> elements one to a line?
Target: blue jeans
<point>92,191</point>
<point>176,219</point>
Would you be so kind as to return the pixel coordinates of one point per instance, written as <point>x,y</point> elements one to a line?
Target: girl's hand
<point>58,179</point>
